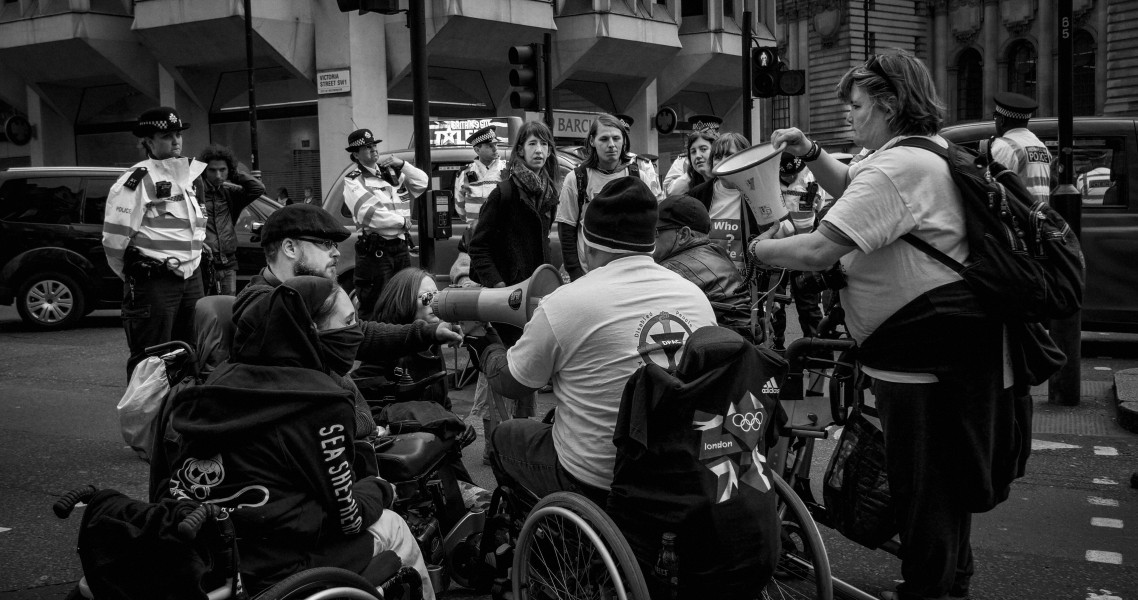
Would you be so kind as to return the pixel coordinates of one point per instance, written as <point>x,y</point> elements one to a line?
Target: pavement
<point>1126,398</point>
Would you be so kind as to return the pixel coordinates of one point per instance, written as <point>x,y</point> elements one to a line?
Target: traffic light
<point>526,76</point>
<point>770,77</point>
<point>387,7</point>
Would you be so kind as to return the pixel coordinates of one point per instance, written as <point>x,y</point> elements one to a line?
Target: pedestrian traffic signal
<point>387,7</point>
<point>770,77</point>
<point>526,77</point>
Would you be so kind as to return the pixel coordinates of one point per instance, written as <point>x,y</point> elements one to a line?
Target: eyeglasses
<point>873,65</point>
<point>325,244</point>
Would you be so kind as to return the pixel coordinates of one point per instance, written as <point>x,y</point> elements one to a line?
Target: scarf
<point>539,191</point>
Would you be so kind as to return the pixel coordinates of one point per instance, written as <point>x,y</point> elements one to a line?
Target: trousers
<point>157,310</point>
<point>374,269</point>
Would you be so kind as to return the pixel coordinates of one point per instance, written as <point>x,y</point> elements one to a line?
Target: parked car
<point>446,163</point>
<point>52,264</point>
<point>1109,233</point>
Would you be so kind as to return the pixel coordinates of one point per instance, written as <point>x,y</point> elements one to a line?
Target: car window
<point>95,202</point>
<point>256,212</point>
<point>1096,161</point>
<point>49,200</point>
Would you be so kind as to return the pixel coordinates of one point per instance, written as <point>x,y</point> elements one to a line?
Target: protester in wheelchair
<point>270,437</point>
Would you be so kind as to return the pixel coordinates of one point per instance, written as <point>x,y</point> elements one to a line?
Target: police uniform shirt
<point>158,213</point>
<point>1093,185</point>
<point>375,203</point>
<point>482,180</point>
<point>793,197</point>
<point>1026,155</point>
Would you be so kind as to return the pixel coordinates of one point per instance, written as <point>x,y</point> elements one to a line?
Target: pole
<point>252,89</point>
<point>1064,387</point>
<point>748,101</point>
<point>547,78</point>
<point>424,207</point>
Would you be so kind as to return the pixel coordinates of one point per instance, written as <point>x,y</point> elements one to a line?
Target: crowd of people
<point>641,257</point>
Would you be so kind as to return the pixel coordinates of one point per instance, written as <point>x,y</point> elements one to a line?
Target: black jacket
<point>512,236</point>
<point>223,206</point>
<point>705,264</point>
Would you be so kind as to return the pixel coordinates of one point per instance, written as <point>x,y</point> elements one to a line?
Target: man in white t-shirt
<point>590,336</point>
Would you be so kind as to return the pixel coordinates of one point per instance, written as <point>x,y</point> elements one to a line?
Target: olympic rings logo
<point>747,422</point>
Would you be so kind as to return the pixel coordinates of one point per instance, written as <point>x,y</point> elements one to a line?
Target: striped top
<point>170,227</point>
<point>1023,153</point>
<point>375,203</point>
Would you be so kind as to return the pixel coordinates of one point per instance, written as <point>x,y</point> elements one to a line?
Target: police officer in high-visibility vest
<point>1017,148</point>
<point>382,216</point>
<point>153,233</point>
<point>474,184</point>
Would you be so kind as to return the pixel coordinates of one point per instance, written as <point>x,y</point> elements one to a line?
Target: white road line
<point>1046,445</point>
<point>1105,481</point>
<point>1102,594</point>
<point>1106,451</point>
<point>1095,500</point>
<point>1105,522</point>
<point>1104,556</point>
<point>1102,368</point>
<point>5,529</point>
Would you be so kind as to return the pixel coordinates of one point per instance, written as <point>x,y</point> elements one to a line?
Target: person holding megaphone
<point>511,240</point>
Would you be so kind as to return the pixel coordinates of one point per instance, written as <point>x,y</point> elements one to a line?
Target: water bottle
<point>667,564</point>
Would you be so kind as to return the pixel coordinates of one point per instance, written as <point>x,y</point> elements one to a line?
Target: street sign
<point>334,81</point>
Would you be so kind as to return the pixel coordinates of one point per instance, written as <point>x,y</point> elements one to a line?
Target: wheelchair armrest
<point>382,567</point>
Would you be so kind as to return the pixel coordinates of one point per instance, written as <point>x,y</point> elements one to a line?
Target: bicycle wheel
<point>329,582</point>
<point>570,549</point>
<point>803,568</point>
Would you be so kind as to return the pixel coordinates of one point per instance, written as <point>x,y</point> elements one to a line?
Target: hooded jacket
<point>270,437</point>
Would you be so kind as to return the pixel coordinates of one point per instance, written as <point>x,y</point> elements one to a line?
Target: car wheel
<point>51,300</point>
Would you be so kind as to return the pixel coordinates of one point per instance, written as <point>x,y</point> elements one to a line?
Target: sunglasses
<point>873,65</point>
<point>325,244</point>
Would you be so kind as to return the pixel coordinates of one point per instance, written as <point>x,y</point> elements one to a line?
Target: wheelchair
<point>203,540</point>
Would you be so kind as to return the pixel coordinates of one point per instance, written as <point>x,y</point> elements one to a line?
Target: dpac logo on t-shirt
<point>661,338</point>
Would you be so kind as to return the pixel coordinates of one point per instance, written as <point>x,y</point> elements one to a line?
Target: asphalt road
<point>1066,532</point>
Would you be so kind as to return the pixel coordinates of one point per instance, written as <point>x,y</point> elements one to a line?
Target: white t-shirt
<point>892,192</point>
<point>726,214</point>
<point>595,181</point>
<point>591,336</point>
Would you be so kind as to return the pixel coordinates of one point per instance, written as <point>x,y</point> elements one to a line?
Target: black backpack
<point>1025,263</point>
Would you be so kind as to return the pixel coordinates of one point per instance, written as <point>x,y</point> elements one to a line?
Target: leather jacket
<point>223,205</point>
<point>705,264</point>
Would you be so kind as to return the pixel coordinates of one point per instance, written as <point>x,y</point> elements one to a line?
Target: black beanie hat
<point>621,219</point>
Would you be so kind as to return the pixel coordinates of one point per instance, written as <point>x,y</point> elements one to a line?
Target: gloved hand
<point>482,342</point>
<point>467,437</point>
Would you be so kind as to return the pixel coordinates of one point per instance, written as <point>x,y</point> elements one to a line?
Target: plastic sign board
<point>453,132</point>
<point>334,81</point>
<point>567,124</point>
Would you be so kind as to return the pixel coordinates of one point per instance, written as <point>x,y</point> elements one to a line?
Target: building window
<point>1084,76</point>
<point>780,112</point>
<point>1021,68</point>
<point>693,8</point>
<point>969,86</point>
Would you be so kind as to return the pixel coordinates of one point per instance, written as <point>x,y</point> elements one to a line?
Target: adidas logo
<point>770,387</point>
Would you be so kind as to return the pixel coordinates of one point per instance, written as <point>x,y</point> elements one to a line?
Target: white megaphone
<point>513,304</point>
<point>755,175</point>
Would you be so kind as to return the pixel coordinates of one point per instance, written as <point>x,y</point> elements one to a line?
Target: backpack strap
<point>916,242</point>
<point>634,169</point>
<point>582,174</point>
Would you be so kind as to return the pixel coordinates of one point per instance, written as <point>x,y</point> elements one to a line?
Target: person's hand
<point>467,436</point>
<point>391,161</point>
<point>466,191</point>
<point>229,185</point>
<point>449,334</point>
<point>480,343</point>
<point>795,141</point>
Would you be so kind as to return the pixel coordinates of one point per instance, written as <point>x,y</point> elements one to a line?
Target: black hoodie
<point>270,436</point>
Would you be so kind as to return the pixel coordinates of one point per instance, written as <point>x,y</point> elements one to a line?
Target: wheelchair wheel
<point>328,582</point>
<point>570,549</point>
<point>803,569</point>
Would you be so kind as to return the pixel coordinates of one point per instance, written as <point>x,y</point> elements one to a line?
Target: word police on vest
<point>513,304</point>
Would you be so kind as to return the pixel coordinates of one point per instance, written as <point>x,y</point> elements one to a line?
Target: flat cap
<point>302,220</point>
<point>682,210</point>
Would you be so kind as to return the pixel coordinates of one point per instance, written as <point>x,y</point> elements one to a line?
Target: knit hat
<point>621,219</point>
<point>683,211</point>
<point>302,220</point>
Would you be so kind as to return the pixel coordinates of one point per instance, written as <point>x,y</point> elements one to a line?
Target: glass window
<point>47,200</point>
<point>969,86</point>
<point>95,203</point>
<point>1021,68</point>
<point>693,8</point>
<point>1084,75</point>
<point>1095,162</point>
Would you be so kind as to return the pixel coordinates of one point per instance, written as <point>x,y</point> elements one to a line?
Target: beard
<point>302,268</point>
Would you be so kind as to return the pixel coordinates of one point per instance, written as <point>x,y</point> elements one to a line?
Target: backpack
<point>582,174</point>
<point>1025,262</point>
<point>690,460</point>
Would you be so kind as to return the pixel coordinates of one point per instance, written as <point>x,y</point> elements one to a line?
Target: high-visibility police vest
<point>375,203</point>
<point>1023,153</point>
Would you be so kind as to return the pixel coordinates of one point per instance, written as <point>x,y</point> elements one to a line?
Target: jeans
<point>227,279</point>
<point>373,272</point>
<point>522,453</point>
<point>158,310</point>
<point>936,552</point>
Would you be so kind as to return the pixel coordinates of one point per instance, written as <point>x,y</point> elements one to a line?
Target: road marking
<point>1104,556</point>
<point>1101,595</point>
<point>1104,522</point>
<point>1106,451</point>
<point>1105,481</point>
<point>5,529</point>
<point>1095,500</point>
<point>1046,445</point>
<point>1102,368</point>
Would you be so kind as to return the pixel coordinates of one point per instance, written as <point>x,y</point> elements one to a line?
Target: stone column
<point>643,138</point>
<point>941,37</point>
<point>54,142</point>
<point>368,59</point>
<point>991,55</point>
<point>334,112</point>
<point>1046,30</point>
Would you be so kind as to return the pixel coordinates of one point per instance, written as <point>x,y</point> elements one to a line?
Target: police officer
<point>474,184</point>
<point>382,216</point>
<point>1017,148</point>
<point>153,233</point>
<point>803,199</point>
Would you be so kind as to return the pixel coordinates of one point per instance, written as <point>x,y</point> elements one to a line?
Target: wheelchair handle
<point>798,352</point>
<point>188,528</point>
<point>169,347</point>
<point>63,507</point>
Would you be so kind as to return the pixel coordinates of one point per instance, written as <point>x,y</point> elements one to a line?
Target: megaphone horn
<point>513,304</point>
<point>755,175</point>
